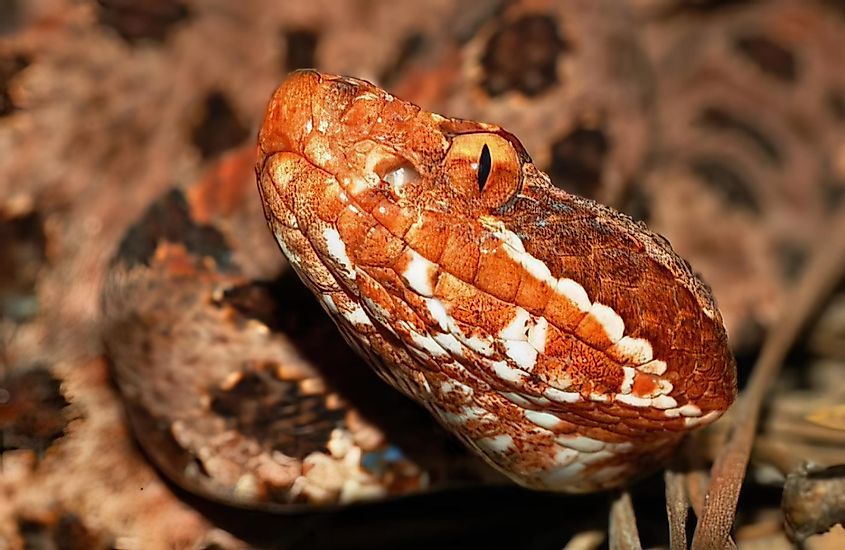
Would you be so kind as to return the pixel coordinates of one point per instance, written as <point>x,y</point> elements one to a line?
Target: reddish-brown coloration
<point>562,341</point>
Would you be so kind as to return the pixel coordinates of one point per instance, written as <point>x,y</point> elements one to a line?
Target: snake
<point>561,341</point>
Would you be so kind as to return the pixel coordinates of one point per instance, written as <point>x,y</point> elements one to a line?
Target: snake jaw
<point>566,344</point>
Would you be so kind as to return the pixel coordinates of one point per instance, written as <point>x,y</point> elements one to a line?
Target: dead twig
<point>623,532</point>
<point>677,506</point>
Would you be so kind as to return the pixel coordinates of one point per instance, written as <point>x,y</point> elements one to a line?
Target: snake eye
<point>483,166</point>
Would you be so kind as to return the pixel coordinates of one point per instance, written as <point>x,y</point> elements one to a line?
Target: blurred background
<point>719,123</point>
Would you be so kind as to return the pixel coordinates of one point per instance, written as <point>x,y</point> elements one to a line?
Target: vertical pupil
<point>485,163</point>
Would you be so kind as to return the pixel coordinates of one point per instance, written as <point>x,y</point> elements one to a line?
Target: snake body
<point>563,342</point>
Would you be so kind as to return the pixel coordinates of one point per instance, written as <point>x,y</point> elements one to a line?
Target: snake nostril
<point>401,176</point>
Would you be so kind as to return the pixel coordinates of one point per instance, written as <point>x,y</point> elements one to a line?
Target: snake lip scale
<point>562,341</point>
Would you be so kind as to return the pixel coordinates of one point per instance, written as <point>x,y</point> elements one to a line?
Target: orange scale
<point>330,207</point>
<point>560,343</point>
<point>332,98</point>
<point>400,265</point>
<point>645,385</point>
<point>404,261</point>
<point>367,199</point>
<point>362,114</point>
<point>627,356</point>
<point>288,114</point>
<point>533,294</point>
<point>645,424</point>
<point>417,305</point>
<point>394,218</point>
<point>319,150</point>
<point>386,277</point>
<point>410,309</point>
<point>565,427</point>
<point>460,255</point>
<point>623,412</point>
<point>469,306</point>
<point>454,291</point>
<point>554,371</point>
<point>379,248</point>
<point>375,292</point>
<point>475,331</point>
<point>395,114</point>
<point>618,433</point>
<point>491,314</point>
<point>428,236</point>
<point>498,275</point>
<point>310,186</point>
<point>278,180</point>
<point>353,228</point>
<point>603,376</point>
<point>562,312</point>
<point>588,415</point>
<point>591,331</point>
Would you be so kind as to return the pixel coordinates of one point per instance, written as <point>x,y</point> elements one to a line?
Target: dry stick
<point>826,268</point>
<point>677,506</point>
<point>697,478</point>
<point>697,482</point>
<point>623,524</point>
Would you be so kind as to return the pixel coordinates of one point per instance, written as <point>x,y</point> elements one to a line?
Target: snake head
<point>565,343</point>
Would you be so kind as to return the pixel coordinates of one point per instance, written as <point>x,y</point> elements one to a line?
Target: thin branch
<point>677,507</point>
<point>697,482</point>
<point>623,524</point>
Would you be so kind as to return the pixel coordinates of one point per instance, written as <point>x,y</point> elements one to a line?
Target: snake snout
<point>288,119</point>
